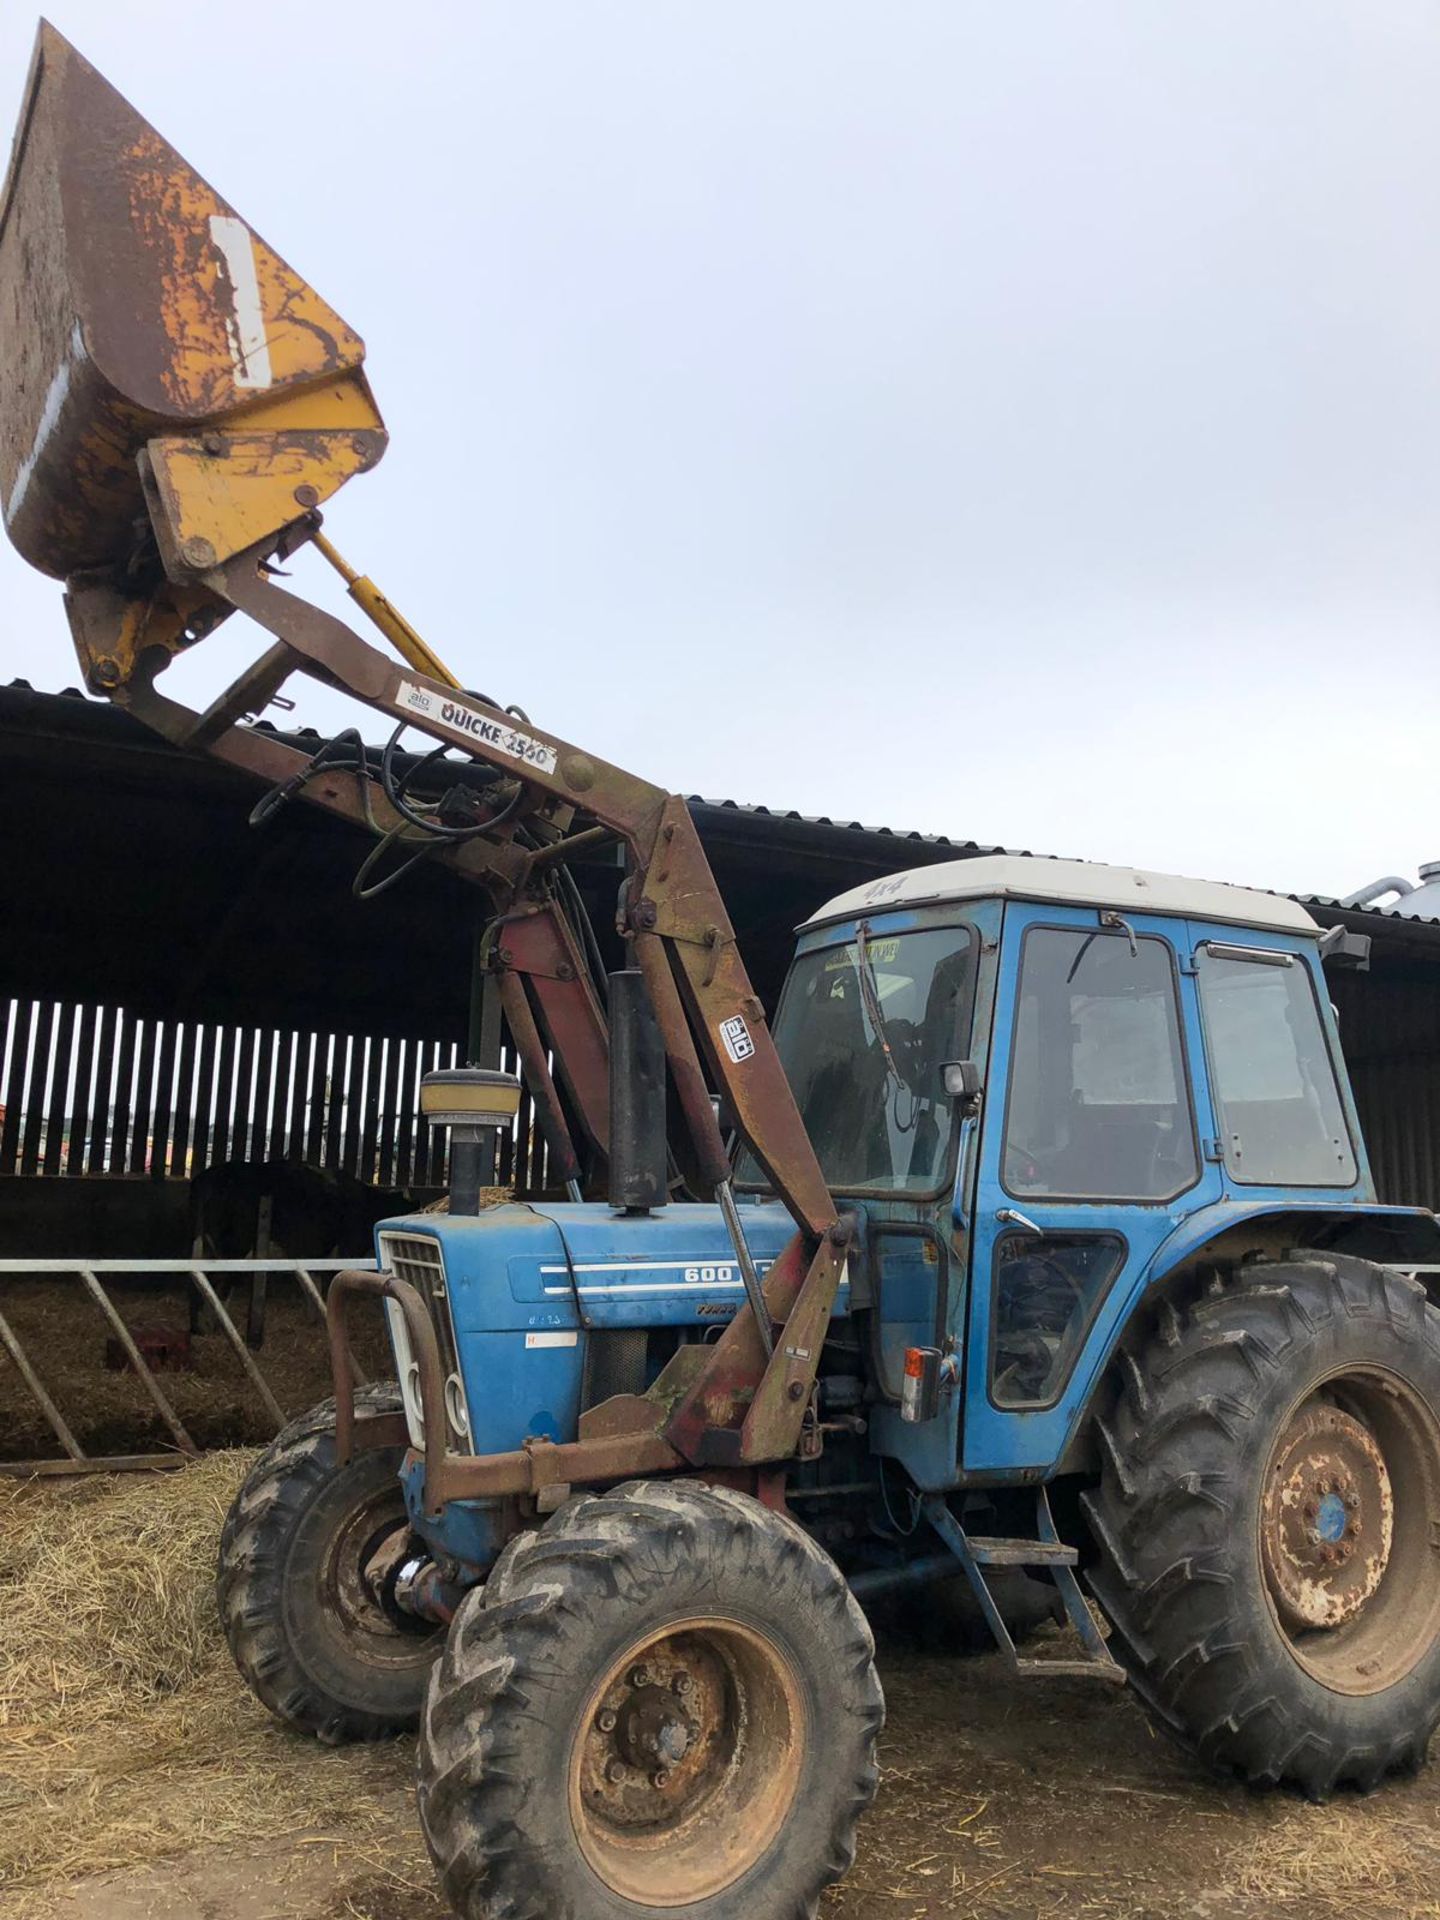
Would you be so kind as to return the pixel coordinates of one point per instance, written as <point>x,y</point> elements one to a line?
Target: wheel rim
<point>1346,1517</point>
<point>357,1577</point>
<point>686,1760</point>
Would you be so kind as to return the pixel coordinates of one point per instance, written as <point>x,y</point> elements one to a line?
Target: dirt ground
<point>999,1799</point>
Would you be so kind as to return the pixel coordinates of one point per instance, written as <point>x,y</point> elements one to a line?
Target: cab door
<point>1089,1157</point>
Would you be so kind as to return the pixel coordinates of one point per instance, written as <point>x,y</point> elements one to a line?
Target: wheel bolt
<point>660,1778</point>
<point>1312,1511</point>
<point>681,1683</point>
<point>640,1677</point>
<point>606,1721</point>
<point>615,1773</point>
<point>1352,1502</point>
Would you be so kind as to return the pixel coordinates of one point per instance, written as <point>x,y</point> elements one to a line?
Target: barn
<point>210,1048</point>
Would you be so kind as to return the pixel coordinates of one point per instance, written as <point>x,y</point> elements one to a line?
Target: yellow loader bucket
<point>152,346</point>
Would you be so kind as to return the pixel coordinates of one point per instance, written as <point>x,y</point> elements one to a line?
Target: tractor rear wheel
<point>664,1699</point>
<point>1267,1522</point>
<point>307,1558</point>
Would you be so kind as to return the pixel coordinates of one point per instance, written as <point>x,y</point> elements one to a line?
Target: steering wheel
<point>1038,1166</point>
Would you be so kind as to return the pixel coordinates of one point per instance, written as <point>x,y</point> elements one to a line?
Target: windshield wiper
<point>870,994</point>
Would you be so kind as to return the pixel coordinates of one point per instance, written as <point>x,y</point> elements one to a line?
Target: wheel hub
<point>1327,1523</point>
<point>659,1738</point>
<point>653,1730</point>
<point>357,1578</point>
<point>686,1762</point>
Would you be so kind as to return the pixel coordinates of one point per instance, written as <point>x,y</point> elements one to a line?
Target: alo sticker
<point>474,724</point>
<point>881,952</point>
<point>736,1036</point>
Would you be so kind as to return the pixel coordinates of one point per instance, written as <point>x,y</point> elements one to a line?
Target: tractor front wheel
<point>307,1562</point>
<point>1268,1518</point>
<point>664,1699</point>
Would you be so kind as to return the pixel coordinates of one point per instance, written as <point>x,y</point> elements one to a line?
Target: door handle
<point>1012,1217</point>
<point>963,1170</point>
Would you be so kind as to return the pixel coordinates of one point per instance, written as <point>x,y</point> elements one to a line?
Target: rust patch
<point>1328,1519</point>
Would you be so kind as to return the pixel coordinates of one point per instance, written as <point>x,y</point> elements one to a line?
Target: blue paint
<point>1330,1519</point>
<point>909,1298</point>
<point>1159,1236</point>
<point>983,915</point>
<point>548,1272</point>
<point>468,1530</point>
<point>1004,1440</point>
<point>907,1311</point>
<point>554,1276</point>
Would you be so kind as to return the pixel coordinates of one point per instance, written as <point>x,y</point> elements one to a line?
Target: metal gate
<point>198,1278</point>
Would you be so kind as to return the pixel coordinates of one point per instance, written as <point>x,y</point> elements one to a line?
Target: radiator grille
<point>614,1363</point>
<point>420,1263</point>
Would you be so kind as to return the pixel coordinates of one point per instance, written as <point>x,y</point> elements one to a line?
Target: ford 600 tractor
<point>1036,1245</point>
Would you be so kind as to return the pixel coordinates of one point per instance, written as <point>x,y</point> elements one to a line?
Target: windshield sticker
<point>475,726</point>
<point>736,1036</point>
<point>879,951</point>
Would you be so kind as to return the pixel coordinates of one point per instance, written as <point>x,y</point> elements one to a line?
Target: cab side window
<point>1277,1105</point>
<point>1098,1106</point>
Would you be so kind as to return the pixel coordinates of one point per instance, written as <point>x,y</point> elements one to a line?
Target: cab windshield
<point>863,1031</point>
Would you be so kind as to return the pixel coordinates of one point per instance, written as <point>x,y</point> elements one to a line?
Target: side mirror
<point>1339,948</point>
<point>962,1083</point>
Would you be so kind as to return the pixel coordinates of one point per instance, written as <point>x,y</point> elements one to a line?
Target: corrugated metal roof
<point>1326,903</point>
<point>755,810</point>
<point>935,844</point>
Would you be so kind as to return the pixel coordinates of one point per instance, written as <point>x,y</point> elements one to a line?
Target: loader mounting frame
<point>743,1403</point>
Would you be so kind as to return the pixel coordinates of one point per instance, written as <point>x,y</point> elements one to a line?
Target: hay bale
<point>127,1734</point>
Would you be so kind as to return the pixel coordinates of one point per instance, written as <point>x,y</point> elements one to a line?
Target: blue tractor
<point>1035,1246</point>
<point>1119,1300</point>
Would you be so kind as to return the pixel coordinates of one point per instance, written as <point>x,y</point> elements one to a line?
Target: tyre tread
<point>474,1774</point>
<point>1171,1441</point>
<point>250,1573</point>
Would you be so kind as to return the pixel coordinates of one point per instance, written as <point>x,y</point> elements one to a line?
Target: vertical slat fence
<point>97,1091</point>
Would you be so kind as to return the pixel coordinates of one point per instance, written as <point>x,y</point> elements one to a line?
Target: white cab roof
<point>1070,883</point>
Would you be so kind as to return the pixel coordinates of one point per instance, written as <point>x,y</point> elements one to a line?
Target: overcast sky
<point>1016,422</point>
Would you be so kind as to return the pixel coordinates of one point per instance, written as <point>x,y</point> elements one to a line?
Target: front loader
<point>1046,1250</point>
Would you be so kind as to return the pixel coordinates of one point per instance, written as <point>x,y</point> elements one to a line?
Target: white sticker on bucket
<point>51,408</point>
<point>475,726</point>
<point>245,323</point>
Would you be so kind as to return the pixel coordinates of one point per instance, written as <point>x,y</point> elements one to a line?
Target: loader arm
<point>175,405</point>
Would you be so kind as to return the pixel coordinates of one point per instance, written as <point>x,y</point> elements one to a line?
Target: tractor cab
<point>1041,1083</point>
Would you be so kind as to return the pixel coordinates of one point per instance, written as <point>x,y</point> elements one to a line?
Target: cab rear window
<point>1277,1105</point>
